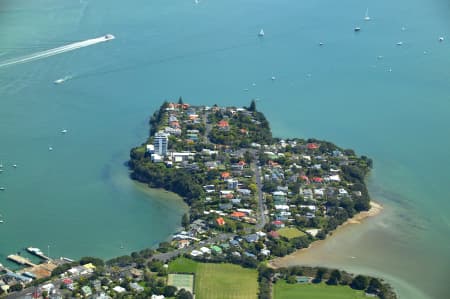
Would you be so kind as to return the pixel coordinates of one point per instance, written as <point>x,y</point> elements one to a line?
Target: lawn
<point>290,232</point>
<point>183,265</point>
<point>283,290</point>
<point>225,281</point>
<point>218,281</point>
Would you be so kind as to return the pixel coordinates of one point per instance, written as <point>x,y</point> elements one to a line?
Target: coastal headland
<point>253,200</point>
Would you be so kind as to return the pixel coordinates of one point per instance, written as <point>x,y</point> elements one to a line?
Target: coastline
<point>279,262</point>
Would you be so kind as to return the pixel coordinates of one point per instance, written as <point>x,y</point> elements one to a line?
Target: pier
<point>37,253</point>
<point>21,260</point>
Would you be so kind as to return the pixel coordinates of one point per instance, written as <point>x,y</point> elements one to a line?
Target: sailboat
<point>261,32</point>
<point>366,17</point>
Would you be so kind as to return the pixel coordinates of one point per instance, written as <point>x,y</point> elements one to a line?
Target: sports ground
<point>217,281</point>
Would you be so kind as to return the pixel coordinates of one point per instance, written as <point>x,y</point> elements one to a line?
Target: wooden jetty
<point>21,260</point>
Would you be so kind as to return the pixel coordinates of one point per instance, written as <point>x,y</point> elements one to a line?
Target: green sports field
<point>183,265</point>
<point>283,290</point>
<point>225,281</point>
<point>218,281</point>
<point>290,232</point>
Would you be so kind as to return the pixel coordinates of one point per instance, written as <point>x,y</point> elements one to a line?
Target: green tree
<point>374,286</point>
<point>169,291</point>
<point>252,106</point>
<point>185,221</point>
<point>319,275</point>
<point>335,277</point>
<point>291,279</point>
<point>359,282</point>
<point>183,294</point>
<point>16,287</point>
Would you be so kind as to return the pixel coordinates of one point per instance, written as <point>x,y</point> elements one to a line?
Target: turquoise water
<point>78,199</point>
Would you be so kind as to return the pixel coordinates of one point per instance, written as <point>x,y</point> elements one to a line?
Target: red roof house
<point>223,124</point>
<point>238,214</point>
<point>220,221</point>
<point>317,180</point>
<point>225,175</point>
<point>312,146</point>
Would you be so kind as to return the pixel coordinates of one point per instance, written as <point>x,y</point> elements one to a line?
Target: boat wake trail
<point>56,51</point>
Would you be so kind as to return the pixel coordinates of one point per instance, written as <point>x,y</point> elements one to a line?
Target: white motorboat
<point>261,32</point>
<point>109,37</point>
<point>366,17</point>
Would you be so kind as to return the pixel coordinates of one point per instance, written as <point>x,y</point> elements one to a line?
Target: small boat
<point>14,165</point>
<point>366,17</point>
<point>1,221</point>
<point>34,250</point>
<point>50,148</point>
<point>403,28</point>
<point>63,131</point>
<point>441,39</point>
<point>59,81</point>
<point>321,44</point>
<point>261,32</point>
<point>400,44</point>
<point>357,29</point>
<point>2,189</point>
<point>273,78</point>
<point>109,37</point>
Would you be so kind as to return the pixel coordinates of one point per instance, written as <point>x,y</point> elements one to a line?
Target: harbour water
<point>359,90</point>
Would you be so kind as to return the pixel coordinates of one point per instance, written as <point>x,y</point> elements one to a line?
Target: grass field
<point>283,290</point>
<point>218,281</point>
<point>183,265</point>
<point>225,281</point>
<point>290,232</point>
<point>181,281</point>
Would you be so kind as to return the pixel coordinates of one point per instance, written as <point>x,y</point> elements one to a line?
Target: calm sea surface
<point>77,199</point>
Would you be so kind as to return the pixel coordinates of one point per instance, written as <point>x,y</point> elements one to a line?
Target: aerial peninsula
<point>253,198</point>
<point>269,196</point>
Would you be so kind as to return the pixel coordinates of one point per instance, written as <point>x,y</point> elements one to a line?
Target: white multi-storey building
<point>161,143</point>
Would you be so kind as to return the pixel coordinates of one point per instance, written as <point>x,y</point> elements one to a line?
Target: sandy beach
<point>375,209</point>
